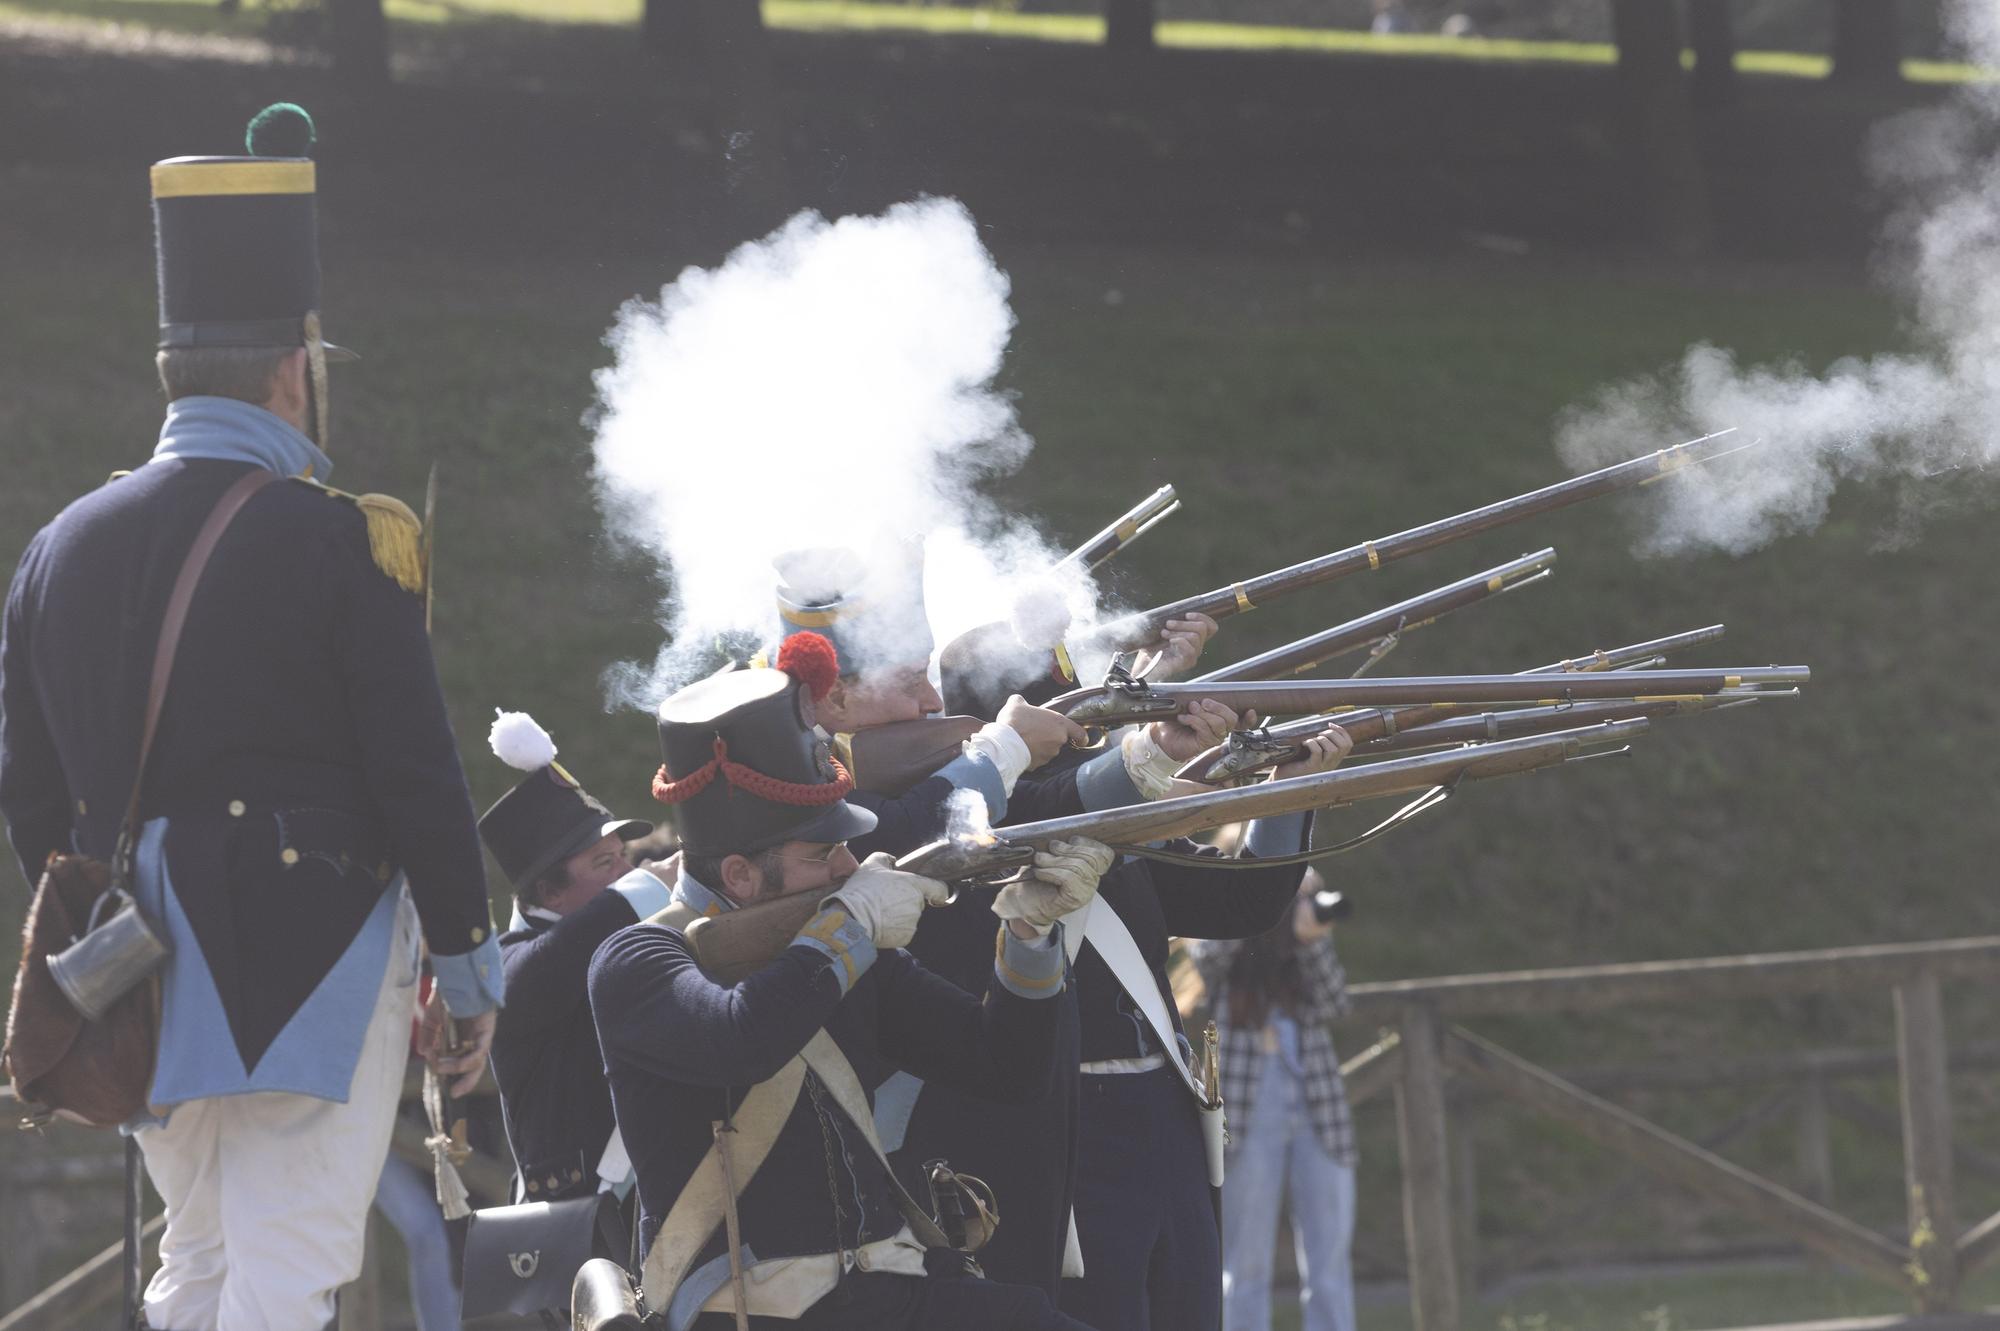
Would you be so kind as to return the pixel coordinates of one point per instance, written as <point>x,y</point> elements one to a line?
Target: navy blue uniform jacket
<point>681,1051</point>
<point>303,757</point>
<point>545,1057</point>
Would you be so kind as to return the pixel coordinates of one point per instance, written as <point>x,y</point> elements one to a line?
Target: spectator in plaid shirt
<point>1289,1130</point>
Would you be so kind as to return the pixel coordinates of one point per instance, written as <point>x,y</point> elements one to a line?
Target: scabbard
<point>1214,1137</point>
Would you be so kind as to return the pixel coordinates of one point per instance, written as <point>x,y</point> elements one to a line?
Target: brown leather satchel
<point>97,1072</point>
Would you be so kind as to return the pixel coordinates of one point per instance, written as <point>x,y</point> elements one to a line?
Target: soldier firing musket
<point>733,944</point>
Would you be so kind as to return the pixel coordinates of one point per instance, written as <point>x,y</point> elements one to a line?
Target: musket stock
<point>732,945</point>
<point>1399,618</point>
<point>1247,751</point>
<point>1140,630</point>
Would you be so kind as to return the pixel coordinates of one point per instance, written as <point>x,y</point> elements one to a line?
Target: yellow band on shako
<point>179,180</point>
<point>817,616</point>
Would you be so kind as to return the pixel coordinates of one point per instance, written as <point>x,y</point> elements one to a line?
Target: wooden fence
<point>1423,1048</point>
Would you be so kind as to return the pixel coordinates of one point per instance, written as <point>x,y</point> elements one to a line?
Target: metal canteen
<point>112,957</point>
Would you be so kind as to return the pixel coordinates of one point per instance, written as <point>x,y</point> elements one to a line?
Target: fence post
<point>1920,1056</point>
<point>1426,1148</point>
<point>1815,1146</point>
<point>1464,1198</point>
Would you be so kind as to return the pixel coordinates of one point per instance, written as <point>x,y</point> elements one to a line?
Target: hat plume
<point>519,741</point>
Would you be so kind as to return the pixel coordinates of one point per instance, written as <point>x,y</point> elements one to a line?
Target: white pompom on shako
<point>519,741</point>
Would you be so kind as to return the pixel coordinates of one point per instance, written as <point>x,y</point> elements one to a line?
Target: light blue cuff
<point>1103,782</point>
<point>836,934</point>
<point>646,893</point>
<point>471,982</point>
<point>1283,834</point>
<point>1029,969</point>
<point>975,771</point>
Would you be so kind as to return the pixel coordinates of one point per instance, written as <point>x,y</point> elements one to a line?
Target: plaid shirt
<point>1243,1050</point>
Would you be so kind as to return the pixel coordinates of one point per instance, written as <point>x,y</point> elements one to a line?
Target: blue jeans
<point>408,1197</point>
<point>1277,1152</point>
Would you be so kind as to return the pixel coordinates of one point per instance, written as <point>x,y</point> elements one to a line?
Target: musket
<point>1122,700</point>
<point>1247,751</point>
<point>1488,726</point>
<point>1139,630</point>
<point>1391,621</point>
<point>1139,520</point>
<point>733,944</point>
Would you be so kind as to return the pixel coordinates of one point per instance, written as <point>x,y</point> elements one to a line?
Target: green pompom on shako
<point>282,129</point>
<point>237,241</point>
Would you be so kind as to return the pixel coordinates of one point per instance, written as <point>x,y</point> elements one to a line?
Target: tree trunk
<point>1672,186</point>
<point>671,30</point>
<point>359,35</point>
<point>1867,41</point>
<point>748,115</point>
<point>1128,25</point>
<point>1712,33</point>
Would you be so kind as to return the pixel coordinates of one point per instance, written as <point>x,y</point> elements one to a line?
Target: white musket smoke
<point>1893,418</point>
<point>829,385</point>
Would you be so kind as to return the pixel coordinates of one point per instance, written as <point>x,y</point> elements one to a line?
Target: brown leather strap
<point>204,545</point>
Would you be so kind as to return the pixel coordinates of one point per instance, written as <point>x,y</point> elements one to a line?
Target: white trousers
<point>268,1193</point>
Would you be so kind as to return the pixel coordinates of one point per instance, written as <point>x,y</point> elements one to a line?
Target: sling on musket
<point>1142,629</point>
<point>1140,519</point>
<point>731,945</point>
<point>1121,699</point>
<point>1415,613</point>
<point>1247,751</point>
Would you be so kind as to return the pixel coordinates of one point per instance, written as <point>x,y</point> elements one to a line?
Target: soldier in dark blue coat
<point>304,817</point>
<point>827,1237</point>
<point>564,853</point>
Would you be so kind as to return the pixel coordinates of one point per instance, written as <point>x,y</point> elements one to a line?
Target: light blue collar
<point>227,430</point>
<point>702,900</point>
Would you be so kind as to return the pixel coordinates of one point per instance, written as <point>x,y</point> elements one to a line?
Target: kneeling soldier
<point>746,1107</point>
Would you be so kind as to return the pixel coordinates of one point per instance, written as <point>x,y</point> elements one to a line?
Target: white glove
<point>886,901</point>
<point>1064,879</point>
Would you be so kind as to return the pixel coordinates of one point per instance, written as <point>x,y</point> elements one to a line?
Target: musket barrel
<point>1111,704</point>
<point>1138,630</point>
<point>1136,522</point>
<point>1247,751</point>
<point>1139,824</point>
<point>1400,617</point>
<point>1487,726</point>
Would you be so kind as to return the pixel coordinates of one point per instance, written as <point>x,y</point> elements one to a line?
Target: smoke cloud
<point>831,385</point>
<point>1895,419</point>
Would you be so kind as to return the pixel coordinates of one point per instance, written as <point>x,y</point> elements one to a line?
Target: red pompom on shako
<point>811,660</point>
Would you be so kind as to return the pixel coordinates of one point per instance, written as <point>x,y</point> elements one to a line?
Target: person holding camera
<point>1272,998</point>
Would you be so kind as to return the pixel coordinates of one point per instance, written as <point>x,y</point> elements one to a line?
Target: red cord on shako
<point>811,660</point>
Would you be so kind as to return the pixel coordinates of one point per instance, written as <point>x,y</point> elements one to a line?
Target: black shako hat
<point>547,817</point>
<point>872,614</point>
<point>237,242</point>
<point>746,770</point>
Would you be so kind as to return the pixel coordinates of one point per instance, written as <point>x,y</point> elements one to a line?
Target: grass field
<point>1301,396</point>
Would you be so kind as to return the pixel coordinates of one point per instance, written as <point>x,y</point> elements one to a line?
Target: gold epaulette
<point>395,535</point>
